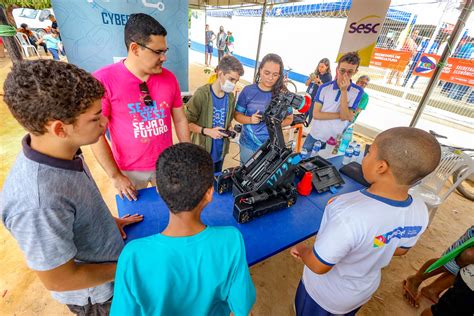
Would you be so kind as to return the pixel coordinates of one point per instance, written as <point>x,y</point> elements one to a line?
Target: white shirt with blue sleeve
<point>358,236</point>
<point>329,95</point>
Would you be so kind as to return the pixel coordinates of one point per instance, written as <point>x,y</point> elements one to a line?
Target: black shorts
<point>458,300</point>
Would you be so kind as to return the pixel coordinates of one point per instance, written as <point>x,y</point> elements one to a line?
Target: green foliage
<point>34,4</point>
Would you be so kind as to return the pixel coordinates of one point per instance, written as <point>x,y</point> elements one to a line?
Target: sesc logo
<point>358,27</point>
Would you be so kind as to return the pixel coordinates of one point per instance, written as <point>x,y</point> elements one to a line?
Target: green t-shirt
<point>364,100</point>
<point>203,274</point>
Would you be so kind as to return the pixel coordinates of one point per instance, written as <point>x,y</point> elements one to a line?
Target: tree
<point>6,18</point>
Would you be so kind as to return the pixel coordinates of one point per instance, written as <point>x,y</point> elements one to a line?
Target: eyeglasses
<point>159,52</point>
<point>146,94</point>
<point>349,72</point>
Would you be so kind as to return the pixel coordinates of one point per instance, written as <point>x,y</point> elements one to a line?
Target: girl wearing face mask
<point>253,100</point>
<point>211,109</point>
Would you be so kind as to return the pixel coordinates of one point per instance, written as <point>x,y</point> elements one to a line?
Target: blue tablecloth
<point>264,236</point>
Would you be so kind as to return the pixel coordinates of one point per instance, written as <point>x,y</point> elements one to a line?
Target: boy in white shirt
<point>335,103</point>
<point>361,231</point>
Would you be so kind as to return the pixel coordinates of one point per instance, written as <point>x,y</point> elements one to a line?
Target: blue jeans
<point>54,52</point>
<point>306,306</point>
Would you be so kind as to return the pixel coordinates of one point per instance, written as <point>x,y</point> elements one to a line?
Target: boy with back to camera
<point>189,268</point>
<point>361,231</point>
<point>50,202</point>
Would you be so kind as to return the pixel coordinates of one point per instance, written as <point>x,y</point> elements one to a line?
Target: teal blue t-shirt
<point>51,42</point>
<point>203,274</point>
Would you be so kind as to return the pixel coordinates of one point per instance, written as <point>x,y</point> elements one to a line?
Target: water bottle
<point>356,154</point>
<point>293,145</point>
<point>346,139</point>
<point>316,148</point>
<point>304,153</point>
<point>348,155</point>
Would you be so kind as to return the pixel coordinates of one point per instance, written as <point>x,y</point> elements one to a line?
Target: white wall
<point>301,42</point>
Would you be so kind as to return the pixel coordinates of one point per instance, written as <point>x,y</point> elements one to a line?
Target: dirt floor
<point>276,278</point>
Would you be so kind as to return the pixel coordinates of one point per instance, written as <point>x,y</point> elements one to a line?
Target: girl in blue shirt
<point>253,101</point>
<point>321,75</point>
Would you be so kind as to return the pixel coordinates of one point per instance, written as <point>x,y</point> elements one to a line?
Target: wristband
<point>202,131</point>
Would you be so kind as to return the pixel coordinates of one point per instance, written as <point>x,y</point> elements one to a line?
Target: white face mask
<point>228,86</point>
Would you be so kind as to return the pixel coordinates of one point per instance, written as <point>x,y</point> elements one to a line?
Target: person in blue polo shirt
<point>335,103</point>
<point>252,102</point>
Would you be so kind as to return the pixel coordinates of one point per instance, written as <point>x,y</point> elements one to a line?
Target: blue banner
<point>92,31</point>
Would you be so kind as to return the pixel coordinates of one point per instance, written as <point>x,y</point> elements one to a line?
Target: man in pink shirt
<point>140,99</point>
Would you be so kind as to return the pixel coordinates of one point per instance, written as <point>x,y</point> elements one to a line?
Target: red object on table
<point>305,186</point>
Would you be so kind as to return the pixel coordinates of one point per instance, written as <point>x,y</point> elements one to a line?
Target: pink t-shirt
<point>139,133</point>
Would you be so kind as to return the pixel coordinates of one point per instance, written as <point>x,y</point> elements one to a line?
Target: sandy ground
<point>276,278</point>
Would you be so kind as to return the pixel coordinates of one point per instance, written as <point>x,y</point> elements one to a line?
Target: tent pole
<point>262,23</point>
<point>466,11</point>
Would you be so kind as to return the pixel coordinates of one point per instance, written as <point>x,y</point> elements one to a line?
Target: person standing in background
<point>362,82</point>
<point>53,43</point>
<point>409,46</point>
<point>221,43</point>
<point>321,75</point>
<point>208,50</point>
<point>229,49</point>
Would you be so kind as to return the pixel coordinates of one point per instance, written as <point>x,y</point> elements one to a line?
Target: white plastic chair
<point>25,44</point>
<point>432,188</point>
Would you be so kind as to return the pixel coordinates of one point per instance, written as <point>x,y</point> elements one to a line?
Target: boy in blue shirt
<point>211,110</point>
<point>190,268</point>
<point>53,43</point>
<point>361,231</point>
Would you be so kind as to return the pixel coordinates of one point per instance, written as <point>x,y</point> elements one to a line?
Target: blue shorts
<point>306,306</point>
<point>209,49</point>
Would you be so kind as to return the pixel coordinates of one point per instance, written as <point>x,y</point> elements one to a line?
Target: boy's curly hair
<point>184,173</point>
<point>39,91</point>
